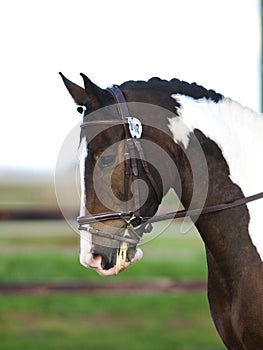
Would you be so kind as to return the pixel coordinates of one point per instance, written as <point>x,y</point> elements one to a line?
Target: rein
<point>134,223</point>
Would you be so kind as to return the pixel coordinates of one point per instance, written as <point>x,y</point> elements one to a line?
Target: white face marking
<point>238,132</point>
<point>86,258</point>
<point>82,157</point>
<point>85,237</point>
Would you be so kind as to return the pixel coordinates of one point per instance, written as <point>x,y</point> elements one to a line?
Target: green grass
<point>106,322</point>
<point>48,251</point>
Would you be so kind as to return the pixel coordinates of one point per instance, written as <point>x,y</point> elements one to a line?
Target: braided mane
<point>175,86</point>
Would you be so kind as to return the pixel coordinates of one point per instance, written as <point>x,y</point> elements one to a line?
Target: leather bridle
<point>134,223</point>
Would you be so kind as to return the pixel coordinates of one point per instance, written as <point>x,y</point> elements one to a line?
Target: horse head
<point>122,181</point>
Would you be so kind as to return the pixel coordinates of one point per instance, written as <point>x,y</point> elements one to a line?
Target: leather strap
<point>128,216</point>
<point>147,171</point>
<point>119,98</point>
<point>130,162</point>
<point>133,144</point>
<point>206,210</point>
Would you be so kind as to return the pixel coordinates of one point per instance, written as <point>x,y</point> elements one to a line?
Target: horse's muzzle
<point>109,261</point>
<point>114,256</point>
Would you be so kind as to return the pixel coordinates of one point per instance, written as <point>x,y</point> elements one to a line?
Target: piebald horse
<point>141,139</point>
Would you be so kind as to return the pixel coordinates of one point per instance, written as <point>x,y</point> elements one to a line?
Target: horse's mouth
<point>109,251</point>
<point>118,256</point>
<point>108,261</point>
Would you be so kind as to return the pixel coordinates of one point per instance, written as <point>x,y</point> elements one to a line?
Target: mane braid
<point>196,91</point>
<point>176,86</point>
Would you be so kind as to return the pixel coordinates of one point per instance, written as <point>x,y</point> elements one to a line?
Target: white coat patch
<point>238,131</point>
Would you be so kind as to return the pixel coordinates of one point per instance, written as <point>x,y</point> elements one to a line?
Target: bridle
<point>135,224</point>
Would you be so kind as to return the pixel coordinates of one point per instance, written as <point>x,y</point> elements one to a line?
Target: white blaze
<point>86,258</point>
<point>85,237</point>
<point>82,158</point>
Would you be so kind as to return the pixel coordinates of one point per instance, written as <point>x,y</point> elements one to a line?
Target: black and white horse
<point>141,139</point>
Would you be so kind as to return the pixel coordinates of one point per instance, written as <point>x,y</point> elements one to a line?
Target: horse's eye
<point>106,161</point>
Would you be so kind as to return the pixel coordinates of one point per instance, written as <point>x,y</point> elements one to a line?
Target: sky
<point>214,43</point>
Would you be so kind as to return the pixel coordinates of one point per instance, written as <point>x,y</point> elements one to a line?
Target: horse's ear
<point>90,95</point>
<point>91,88</point>
<point>78,93</point>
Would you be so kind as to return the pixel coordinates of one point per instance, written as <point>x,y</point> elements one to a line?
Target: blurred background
<point>47,299</point>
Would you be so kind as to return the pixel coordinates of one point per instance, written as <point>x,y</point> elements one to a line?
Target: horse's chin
<point>94,263</point>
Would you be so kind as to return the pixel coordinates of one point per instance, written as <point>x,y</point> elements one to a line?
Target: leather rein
<point>134,223</point>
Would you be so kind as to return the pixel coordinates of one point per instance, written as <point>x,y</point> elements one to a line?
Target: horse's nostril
<point>106,257</point>
<point>92,250</point>
<point>96,257</point>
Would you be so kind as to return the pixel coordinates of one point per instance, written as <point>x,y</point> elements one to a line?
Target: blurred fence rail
<point>31,214</point>
<point>123,287</point>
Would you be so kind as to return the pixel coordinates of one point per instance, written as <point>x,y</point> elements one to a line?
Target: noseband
<point>135,224</point>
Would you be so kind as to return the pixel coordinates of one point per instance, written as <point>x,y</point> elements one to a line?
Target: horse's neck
<point>235,129</point>
<point>225,234</point>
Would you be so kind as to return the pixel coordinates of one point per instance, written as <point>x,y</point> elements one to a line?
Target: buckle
<point>135,127</point>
